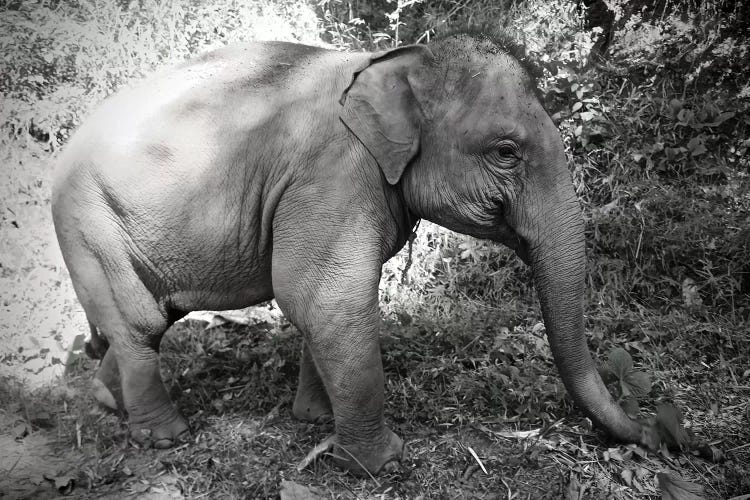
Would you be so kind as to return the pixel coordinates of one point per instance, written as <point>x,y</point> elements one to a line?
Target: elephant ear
<point>380,108</point>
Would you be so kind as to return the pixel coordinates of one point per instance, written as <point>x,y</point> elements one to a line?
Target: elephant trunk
<point>558,264</point>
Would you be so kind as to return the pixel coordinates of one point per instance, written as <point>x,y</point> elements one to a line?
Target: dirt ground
<point>246,445</point>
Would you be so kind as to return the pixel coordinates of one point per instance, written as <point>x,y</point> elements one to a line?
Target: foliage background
<point>656,127</point>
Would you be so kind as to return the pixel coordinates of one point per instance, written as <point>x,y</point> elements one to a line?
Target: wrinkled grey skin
<point>286,171</point>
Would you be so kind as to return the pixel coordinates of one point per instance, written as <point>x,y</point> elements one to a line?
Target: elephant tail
<point>97,346</point>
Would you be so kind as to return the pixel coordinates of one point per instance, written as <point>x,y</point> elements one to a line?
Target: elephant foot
<point>361,459</point>
<point>312,406</point>
<point>166,431</point>
<point>159,427</point>
<point>106,386</point>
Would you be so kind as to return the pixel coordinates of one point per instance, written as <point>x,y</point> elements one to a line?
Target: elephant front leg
<point>311,402</point>
<point>335,303</point>
<point>351,369</point>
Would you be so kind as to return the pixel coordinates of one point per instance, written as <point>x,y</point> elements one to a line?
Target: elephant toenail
<point>391,467</point>
<point>161,444</point>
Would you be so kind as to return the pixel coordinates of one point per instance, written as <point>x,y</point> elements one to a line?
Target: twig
<point>476,457</point>
<point>360,464</point>
<point>740,447</point>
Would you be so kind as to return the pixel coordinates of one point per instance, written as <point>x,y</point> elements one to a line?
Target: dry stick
<point>14,465</point>
<point>738,448</point>
<point>701,474</point>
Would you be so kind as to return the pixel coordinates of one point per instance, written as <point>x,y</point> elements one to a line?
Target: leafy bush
<point>658,149</point>
<point>662,169</point>
<point>658,144</point>
<point>62,58</point>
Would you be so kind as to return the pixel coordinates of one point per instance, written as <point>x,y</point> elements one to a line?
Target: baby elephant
<point>281,170</point>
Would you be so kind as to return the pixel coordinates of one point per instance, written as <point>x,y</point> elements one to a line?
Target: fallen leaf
<point>627,476</point>
<point>641,473</point>
<point>574,491</point>
<point>613,454</point>
<point>518,434</point>
<point>709,452</point>
<point>291,490</point>
<point>20,431</point>
<point>140,487</point>
<point>720,119</point>
<point>65,484</point>
<point>690,294</point>
<point>696,148</point>
<point>675,106</point>
<point>675,488</point>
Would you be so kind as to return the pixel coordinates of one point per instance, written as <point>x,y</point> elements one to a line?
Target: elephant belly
<point>212,283</point>
<point>198,300</point>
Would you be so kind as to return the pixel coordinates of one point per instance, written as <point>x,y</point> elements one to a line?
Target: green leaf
<point>675,488</point>
<point>630,407</point>
<point>685,117</point>
<point>639,383</point>
<point>675,105</point>
<point>620,362</point>
<point>696,147</point>
<point>578,105</point>
<point>720,119</point>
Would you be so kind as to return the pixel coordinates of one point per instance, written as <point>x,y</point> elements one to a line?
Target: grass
<point>662,173</point>
<point>447,390</point>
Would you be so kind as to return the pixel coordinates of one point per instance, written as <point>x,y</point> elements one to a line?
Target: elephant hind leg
<point>311,403</point>
<point>133,323</point>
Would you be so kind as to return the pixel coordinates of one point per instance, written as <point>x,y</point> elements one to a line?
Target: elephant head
<point>457,127</point>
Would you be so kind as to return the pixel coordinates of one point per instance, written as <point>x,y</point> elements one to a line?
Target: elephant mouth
<point>515,242</point>
<point>523,251</point>
<point>508,236</point>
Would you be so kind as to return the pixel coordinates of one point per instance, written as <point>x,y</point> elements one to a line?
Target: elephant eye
<point>505,153</point>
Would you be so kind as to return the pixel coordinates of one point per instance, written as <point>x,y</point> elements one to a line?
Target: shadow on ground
<point>235,384</point>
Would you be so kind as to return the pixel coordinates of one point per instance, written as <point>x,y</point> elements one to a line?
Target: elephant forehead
<point>493,87</point>
<point>497,110</point>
